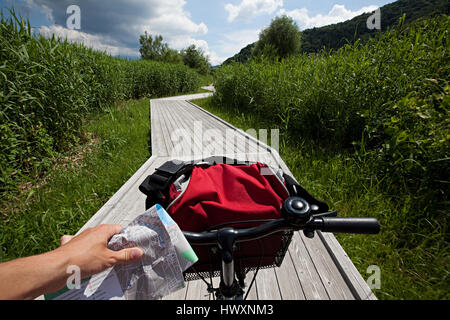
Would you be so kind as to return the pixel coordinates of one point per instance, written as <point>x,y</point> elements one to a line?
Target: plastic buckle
<point>170,168</point>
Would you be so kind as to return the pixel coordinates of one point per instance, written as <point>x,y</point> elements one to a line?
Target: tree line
<point>154,48</point>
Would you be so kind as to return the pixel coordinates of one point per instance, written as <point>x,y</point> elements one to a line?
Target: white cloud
<point>116,26</point>
<point>233,42</point>
<point>337,14</point>
<point>184,42</point>
<point>249,9</point>
<point>171,20</point>
<point>89,40</point>
<point>215,60</point>
<point>174,24</point>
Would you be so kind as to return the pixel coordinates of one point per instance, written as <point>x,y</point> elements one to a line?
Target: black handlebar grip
<point>351,225</point>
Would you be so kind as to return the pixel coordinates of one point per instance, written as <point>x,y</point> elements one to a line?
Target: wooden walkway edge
<point>312,269</point>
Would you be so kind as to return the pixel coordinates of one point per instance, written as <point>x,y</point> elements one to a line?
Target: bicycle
<point>297,215</point>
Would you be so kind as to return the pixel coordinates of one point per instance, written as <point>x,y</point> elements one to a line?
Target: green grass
<point>408,270</point>
<point>76,188</point>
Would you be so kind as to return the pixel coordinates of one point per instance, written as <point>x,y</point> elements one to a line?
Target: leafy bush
<point>48,86</point>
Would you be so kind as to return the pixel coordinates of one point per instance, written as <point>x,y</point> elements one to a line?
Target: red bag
<point>219,192</point>
<point>224,193</point>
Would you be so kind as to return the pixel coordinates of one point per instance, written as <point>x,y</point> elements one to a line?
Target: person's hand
<point>90,253</point>
<point>30,277</point>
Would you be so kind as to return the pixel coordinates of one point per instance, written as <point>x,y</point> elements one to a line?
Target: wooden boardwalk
<point>312,269</point>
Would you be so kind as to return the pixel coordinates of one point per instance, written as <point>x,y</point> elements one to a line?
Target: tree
<point>152,48</point>
<point>156,49</point>
<point>282,38</point>
<point>194,58</point>
<point>172,56</point>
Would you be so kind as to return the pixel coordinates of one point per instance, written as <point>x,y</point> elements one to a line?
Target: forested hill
<point>337,35</point>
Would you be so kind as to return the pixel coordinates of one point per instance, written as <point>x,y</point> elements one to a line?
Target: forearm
<point>28,278</point>
<point>31,277</point>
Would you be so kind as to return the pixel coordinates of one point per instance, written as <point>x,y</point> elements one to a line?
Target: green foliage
<point>172,56</point>
<point>386,100</point>
<point>152,49</point>
<point>157,50</point>
<point>281,39</point>
<point>48,86</point>
<point>194,58</point>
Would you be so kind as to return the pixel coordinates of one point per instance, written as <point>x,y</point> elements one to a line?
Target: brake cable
<point>257,269</point>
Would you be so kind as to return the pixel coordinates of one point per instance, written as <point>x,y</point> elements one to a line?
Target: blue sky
<point>220,27</point>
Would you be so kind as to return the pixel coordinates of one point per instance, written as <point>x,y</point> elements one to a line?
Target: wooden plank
<point>346,269</point>
<point>165,132</point>
<point>171,126</point>
<point>237,137</point>
<point>359,287</point>
<point>335,285</point>
<point>210,123</point>
<point>178,123</point>
<point>332,279</point>
<point>187,120</point>
<point>183,116</point>
<point>267,283</point>
<point>197,291</point>
<point>288,281</point>
<point>232,147</point>
<point>161,132</point>
<point>306,270</point>
<point>256,147</point>
<point>158,144</point>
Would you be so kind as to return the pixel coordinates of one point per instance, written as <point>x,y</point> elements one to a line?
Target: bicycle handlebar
<point>351,225</point>
<point>324,224</point>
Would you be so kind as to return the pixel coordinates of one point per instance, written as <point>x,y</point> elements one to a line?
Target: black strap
<point>155,184</point>
<point>165,175</point>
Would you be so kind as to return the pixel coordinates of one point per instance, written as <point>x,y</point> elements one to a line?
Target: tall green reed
<point>385,101</point>
<point>48,86</point>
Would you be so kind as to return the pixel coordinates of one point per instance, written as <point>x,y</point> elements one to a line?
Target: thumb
<point>128,255</point>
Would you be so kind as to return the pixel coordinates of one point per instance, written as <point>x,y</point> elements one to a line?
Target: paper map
<point>158,273</point>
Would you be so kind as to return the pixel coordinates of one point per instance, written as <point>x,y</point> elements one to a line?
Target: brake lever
<point>309,232</point>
